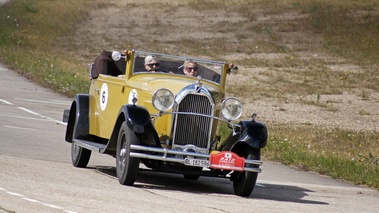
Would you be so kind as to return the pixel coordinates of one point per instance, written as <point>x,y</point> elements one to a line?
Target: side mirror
<point>232,69</point>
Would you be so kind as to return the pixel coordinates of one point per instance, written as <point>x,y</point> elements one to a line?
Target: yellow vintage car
<point>166,112</point>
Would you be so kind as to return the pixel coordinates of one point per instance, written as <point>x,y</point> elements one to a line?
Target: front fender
<point>252,133</point>
<point>138,120</point>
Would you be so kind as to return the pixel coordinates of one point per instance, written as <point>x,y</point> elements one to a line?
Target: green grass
<point>39,39</point>
<point>341,154</point>
<point>29,42</point>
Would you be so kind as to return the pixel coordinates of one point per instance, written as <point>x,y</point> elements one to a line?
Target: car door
<point>107,95</point>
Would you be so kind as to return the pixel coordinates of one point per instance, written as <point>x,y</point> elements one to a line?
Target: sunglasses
<point>192,68</point>
<point>155,64</point>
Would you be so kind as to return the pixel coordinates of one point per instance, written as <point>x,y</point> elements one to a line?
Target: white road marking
<point>34,200</point>
<point>15,194</point>
<point>42,116</point>
<point>16,127</point>
<point>51,206</point>
<point>45,102</point>
<point>31,112</point>
<point>37,119</point>
<point>31,200</point>
<point>5,102</point>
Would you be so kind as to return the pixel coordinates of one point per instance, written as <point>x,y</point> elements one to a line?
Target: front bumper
<point>169,155</point>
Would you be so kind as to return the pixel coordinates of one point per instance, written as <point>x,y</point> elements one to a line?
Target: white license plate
<point>196,162</point>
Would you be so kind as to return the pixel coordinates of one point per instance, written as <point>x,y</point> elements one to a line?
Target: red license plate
<point>227,161</point>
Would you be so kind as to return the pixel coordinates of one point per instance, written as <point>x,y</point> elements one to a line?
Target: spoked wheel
<point>79,156</point>
<point>244,182</point>
<point>126,166</point>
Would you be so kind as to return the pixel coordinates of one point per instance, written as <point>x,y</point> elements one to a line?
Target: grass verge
<point>341,154</point>
<point>29,42</point>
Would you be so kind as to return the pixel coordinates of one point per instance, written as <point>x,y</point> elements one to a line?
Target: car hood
<point>151,83</point>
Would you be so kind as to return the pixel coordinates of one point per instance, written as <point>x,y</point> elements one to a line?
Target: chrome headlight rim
<point>163,100</point>
<point>231,109</point>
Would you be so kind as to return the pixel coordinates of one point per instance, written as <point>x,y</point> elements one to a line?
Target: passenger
<point>190,68</point>
<point>151,63</point>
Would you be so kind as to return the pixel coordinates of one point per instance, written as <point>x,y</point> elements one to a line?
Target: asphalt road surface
<point>36,174</point>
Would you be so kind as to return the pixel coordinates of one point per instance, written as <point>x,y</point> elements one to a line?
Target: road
<point>37,175</point>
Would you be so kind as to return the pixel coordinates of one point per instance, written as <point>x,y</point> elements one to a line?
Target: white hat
<point>150,58</point>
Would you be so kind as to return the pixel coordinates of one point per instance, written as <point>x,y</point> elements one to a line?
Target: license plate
<point>196,162</point>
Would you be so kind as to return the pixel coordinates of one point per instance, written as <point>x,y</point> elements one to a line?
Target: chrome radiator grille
<point>193,129</point>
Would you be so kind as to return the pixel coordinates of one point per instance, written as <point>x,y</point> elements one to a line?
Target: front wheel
<point>244,182</point>
<point>79,156</point>
<point>126,166</point>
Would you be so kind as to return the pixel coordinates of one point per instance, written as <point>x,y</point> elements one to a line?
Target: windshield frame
<point>209,70</point>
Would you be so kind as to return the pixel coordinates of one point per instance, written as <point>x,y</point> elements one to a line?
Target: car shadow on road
<point>147,179</point>
<point>285,193</point>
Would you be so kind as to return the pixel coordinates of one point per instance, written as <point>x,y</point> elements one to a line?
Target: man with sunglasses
<point>190,68</point>
<point>151,63</point>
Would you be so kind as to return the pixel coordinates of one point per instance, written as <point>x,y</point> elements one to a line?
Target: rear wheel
<point>126,167</point>
<point>244,182</point>
<point>79,156</point>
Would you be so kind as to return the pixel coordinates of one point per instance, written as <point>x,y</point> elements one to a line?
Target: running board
<point>90,145</point>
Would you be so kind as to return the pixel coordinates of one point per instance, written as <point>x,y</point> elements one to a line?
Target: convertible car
<point>164,120</point>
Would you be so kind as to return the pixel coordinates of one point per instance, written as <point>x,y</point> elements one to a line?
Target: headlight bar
<point>232,125</point>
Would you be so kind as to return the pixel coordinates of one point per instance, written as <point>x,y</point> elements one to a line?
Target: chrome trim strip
<point>167,151</point>
<point>89,145</point>
<point>253,162</point>
<point>249,169</point>
<point>191,89</point>
<point>192,113</point>
<point>156,157</point>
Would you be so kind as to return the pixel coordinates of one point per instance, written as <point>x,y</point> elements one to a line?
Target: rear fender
<point>78,121</point>
<point>139,121</point>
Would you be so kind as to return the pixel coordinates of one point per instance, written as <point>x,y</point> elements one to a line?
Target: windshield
<point>146,62</point>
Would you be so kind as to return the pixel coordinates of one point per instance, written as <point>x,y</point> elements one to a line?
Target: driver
<point>151,63</point>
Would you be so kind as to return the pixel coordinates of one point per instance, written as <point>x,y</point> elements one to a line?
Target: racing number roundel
<point>103,97</point>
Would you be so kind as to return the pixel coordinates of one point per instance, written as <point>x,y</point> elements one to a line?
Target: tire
<point>126,167</point>
<point>191,177</point>
<point>244,182</point>
<point>79,156</point>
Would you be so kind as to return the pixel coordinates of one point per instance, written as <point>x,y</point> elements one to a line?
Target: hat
<point>150,58</point>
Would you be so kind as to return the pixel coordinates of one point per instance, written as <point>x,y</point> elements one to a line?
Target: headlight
<point>231,109</point>
<point>163,100</point>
